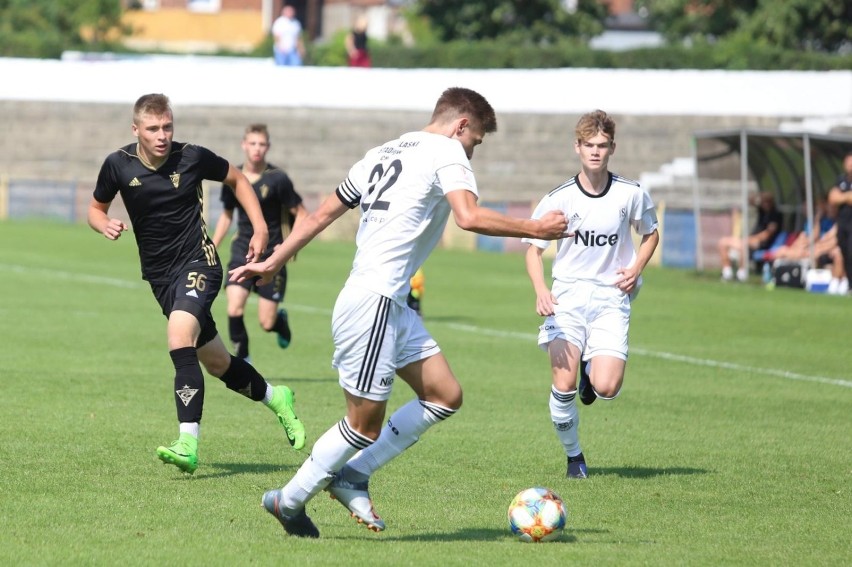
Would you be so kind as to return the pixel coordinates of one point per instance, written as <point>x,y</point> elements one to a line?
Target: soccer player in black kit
<point>160,182</point>
<point>282,209</point>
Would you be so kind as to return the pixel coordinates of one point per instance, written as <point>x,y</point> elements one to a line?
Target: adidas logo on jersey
<point>135,182</point>
<point>574,217</point>
<point>192,293</point>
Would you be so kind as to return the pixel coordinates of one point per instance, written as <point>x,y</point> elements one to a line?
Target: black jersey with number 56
<point>164,204</point>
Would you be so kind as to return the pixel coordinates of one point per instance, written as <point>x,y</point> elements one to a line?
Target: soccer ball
<point>537,514</point>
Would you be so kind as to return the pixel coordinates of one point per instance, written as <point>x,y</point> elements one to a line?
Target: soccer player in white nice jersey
<point>596,274</point>
<point>404,191</point>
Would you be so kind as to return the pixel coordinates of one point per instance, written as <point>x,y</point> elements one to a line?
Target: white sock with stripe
<point>402,431</point>
<point>329,454</point>
<point>566,419</point>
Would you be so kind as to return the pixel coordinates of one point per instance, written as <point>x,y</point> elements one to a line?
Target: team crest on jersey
<point>264,191</point>
<point>175,177</point>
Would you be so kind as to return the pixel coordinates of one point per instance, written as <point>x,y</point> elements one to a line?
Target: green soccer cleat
<point>282,404</point>
<point>182,453</point>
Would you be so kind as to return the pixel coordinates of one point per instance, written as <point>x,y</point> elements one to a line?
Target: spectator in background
<point>356,44</point>
<point>823,237</point>
<point>826,252</point>
<point>840,196</point>
<point>768,225</point>
<point>288,47</point>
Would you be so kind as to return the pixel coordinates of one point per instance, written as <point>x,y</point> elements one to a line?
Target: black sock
<point>242,378</point>
<point>189,385</point>
<point>239,336</point>
<point>281,326</point>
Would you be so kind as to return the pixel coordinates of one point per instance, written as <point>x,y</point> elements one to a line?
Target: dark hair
<point>459,101</point>
<point>155,103</point>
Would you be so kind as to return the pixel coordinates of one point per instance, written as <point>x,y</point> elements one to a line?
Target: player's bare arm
<point>100,221</point>
<point>629,276</point>
<point>471,217</point>
<point>222,226</point>
<point>544,300</point>
<point>247,198</point>
<point>303,232</point>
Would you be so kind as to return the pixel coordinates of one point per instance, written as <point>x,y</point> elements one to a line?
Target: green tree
<point>46,28</point>
<point>819,25</point>
<point>524,21</point>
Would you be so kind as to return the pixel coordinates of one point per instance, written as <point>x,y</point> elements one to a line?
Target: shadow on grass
<point>644,472</point>
<point>287,380</point>
<point>470,534</point>
<point>232,469</point>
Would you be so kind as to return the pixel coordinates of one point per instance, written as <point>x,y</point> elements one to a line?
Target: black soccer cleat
<point>577,467</point>
<point>586,390</point>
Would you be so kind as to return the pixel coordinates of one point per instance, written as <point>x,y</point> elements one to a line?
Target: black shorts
<point>193,290</point>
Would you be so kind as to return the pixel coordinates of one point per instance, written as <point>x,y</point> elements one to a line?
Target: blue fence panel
<point>679,239</point>
<point>492,243</point>
<point>42,199</point>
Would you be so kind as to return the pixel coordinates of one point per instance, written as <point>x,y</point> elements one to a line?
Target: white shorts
<point>593,317</point>
<point>373,337</point>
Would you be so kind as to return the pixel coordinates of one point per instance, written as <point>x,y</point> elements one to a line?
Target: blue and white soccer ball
<point>537,515</point>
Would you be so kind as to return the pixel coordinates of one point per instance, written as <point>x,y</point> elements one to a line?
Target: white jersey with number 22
<point>400,189</point>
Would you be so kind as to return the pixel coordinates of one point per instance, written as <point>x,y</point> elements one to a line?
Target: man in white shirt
<point>404,191</point>
<point>288,47</point>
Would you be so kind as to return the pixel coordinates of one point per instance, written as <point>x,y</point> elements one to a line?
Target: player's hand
<point>627,280</point>
<point>114,228</point>
<point>256,247</point>
<point>553,225</point>
<point>544,304</point>
<point>251,270</point>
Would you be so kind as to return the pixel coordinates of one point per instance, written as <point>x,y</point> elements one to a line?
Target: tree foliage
<point>818,25</point>
<point>46,28</point>
<point>524,21</point>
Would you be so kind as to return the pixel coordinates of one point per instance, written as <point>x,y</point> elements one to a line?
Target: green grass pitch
<point>730,444</point>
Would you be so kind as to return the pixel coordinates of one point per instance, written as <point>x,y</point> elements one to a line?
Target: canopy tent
<point>796,167</point>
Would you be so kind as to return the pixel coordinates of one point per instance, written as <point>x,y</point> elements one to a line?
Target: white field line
<point>86,278</point>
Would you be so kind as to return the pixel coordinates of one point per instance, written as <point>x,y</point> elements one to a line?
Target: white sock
<point>270,391</point>
<point>193,428</point>
<point>566,419</point>
<point>402,431</point>
<point>833,285</point>
<point>329,454</point>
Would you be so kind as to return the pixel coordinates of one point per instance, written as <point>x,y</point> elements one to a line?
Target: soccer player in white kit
<point>404,191</point>
<point>596,274</point>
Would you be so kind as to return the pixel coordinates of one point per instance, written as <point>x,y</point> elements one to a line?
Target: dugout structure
<point>796,167</point>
